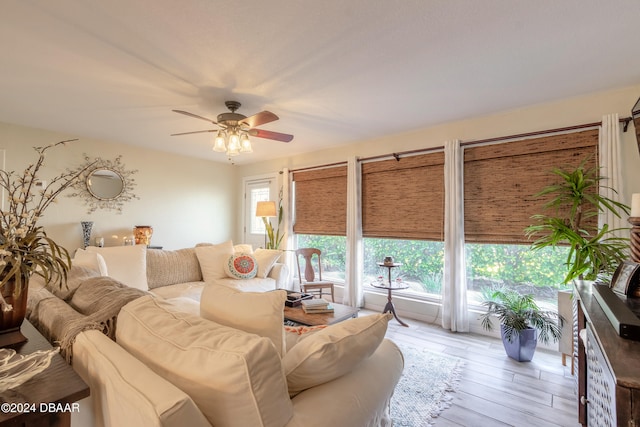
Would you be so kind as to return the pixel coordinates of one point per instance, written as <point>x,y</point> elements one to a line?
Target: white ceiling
<point>334,71</point>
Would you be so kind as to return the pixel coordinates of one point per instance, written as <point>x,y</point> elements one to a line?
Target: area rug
<point>425,387</point>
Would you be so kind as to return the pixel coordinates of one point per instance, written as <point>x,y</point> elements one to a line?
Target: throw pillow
<point>266,258</point>
<point>260,313</point>
<point>294,334</point>
<point>332,352</point>
<point>241,266</point>
<point>126,264</point>
<point>92,260</point>
<point>166,268</point>
<point>244,248</point>
<point>212,259</point>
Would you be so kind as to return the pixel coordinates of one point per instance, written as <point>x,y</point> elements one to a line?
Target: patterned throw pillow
<point>241,266</point>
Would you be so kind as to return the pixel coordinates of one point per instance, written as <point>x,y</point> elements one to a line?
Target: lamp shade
<point>266,209</point>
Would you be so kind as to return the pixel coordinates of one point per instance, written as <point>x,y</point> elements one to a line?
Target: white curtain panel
<point>454,284</point>
<point>609,150</point>
<point>288,256</point>
<point>353,291</point>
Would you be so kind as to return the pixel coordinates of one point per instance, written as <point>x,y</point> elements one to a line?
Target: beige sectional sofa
<point>179,361</point>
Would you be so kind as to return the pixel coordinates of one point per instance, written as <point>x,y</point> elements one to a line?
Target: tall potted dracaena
<point>573,201</point>
<point>25,248</point>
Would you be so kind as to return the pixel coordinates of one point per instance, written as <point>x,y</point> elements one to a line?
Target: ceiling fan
<point>234,129</point>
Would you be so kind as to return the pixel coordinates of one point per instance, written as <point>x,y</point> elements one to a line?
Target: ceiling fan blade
<point>283,137</point>
<point>186,113</point>
<point>197,131</point>
<point>260,118</point>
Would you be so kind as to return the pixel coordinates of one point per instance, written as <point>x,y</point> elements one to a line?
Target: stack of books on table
<point>319,305</point>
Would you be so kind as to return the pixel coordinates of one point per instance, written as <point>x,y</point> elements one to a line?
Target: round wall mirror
<point>105,184</point>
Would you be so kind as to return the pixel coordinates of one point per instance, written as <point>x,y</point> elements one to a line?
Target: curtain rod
<point>624,120</point>
<point>318,167</point>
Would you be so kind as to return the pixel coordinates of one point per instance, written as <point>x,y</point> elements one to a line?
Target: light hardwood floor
<point>495,390</point>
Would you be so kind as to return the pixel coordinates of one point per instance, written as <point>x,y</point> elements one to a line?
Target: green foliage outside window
<point>488,266</point>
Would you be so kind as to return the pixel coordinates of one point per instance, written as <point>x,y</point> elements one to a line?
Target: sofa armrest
<point>364,394</point>
<point>280,272</point>
<point>124,391</point>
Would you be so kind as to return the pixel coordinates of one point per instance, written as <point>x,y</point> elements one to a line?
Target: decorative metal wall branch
<point>105,185</point>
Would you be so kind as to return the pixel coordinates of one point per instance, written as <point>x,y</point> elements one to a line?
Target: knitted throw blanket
<point>95,304</point>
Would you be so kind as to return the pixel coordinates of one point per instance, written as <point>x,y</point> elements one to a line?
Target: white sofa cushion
<point>333,351</point>
<point>212,259</point>
<point>363,394</point>
<point>234,377</point>
<point>294,334</point>
<point>245,248</point>
<point>191,290</point>
<point>249,285</point>
<point>92,260</point>
<point>260,313</point>
<point>127,264</point>
<point>126,392</point>
<point>266,259</point>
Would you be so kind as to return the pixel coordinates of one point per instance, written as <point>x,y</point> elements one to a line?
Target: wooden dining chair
<point>308,282</point>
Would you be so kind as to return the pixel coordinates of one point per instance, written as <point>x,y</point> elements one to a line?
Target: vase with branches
<point>25,247</point>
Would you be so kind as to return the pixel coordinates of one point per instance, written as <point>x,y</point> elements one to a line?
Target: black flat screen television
<point>635,115</point>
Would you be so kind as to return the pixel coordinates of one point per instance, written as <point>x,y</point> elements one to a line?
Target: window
<point>258,194</point>
<point>258,189</point>
<point>334,254</point>
<point>321,201</point>
<point>492,266</point>
<point>403,217</point>
<point>422,264</point>
<point>404,199</point>
<point>500,182</point>
<point>320,216</point>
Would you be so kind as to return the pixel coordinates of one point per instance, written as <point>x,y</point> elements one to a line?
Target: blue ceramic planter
<point>522,346</point>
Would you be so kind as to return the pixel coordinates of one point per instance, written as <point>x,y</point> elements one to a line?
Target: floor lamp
<point>266,210</point>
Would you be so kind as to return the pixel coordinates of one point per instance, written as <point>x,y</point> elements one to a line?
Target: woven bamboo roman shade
<point>501,179</point>
<point>321,201</point>
<point>405,198</point>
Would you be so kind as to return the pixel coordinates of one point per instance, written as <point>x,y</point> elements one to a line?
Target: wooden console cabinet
<point>608,368</point>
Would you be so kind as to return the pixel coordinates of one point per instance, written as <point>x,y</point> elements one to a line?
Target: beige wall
<point>186,200</point>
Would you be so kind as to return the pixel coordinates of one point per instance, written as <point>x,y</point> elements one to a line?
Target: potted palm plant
<point>522,322</point>
<point>575,199</point>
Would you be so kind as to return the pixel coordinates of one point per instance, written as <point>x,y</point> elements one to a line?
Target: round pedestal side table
<point>390,287</point>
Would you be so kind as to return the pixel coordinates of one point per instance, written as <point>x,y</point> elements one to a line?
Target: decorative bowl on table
<point>16,369</point>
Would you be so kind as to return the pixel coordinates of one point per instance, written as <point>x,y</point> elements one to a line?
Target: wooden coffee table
<point>340,312</point>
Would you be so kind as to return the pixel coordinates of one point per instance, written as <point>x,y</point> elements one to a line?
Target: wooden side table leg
<point>390,308</point>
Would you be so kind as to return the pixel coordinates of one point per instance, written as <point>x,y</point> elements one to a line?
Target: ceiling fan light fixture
<point>232,137</point>
<point>233,147</point>
<point>245,144</point>
<point>220,144</point>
